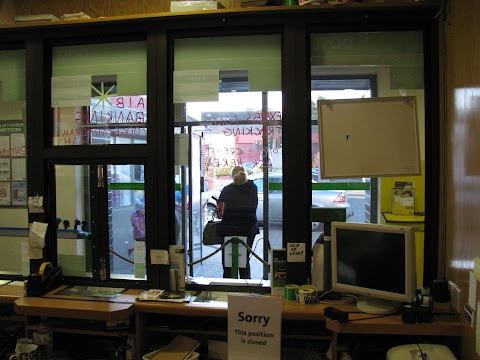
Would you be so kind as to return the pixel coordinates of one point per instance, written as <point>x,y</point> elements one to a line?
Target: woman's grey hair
<point>239,175</point>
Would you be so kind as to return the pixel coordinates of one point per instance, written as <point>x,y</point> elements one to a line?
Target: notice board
<point>372,137</point>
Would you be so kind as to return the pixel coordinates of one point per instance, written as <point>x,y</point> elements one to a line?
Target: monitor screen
<point>376,261</point>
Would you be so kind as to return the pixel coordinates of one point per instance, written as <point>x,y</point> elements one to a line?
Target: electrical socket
<point>455,294</point>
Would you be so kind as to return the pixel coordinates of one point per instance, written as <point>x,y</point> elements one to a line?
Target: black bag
<point>211,233</point>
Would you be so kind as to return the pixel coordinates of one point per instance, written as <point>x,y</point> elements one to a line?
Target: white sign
<point>159,257</point>
<point>295,252</point>
<point>254,326</point>
<point>181,149</point>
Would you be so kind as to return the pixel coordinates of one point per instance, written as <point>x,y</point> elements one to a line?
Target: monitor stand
<point>377,306</point>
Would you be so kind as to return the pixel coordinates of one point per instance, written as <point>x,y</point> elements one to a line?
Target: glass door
<point>218,142</point>
<point>228,113</point>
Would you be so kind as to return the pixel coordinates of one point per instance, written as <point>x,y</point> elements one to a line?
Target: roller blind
<point>126,60</point>
<point>402,52</point>
<point>259,55</point>
<point>12,75</point>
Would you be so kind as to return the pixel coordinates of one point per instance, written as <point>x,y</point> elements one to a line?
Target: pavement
<point>122,233</point>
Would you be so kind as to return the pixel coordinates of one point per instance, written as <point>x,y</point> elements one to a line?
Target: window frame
<point>295,27</point>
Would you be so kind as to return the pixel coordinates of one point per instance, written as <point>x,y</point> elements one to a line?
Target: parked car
<point>320,198</point>
<point>316,176</point>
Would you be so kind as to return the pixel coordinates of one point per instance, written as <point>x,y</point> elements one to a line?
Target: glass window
<point>361,65</point>
<point>74,220</point>
<point>99,98</point>
<point>234,117</point>
<point>127,228</point>
<point>79,243</point>
<point>13,183</point>
<point>353,194</point>
<point>98,94</point>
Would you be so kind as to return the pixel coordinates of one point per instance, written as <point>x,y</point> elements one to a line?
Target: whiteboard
<point>372,137</point>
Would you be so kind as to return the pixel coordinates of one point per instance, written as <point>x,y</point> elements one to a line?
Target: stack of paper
<point>197,5</point>
<point>39,17</point>
<point>178,349</point>
<point>165,295</point>
<point>75,16</point>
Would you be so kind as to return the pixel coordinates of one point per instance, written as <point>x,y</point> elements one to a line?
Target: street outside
<point>212,266</point>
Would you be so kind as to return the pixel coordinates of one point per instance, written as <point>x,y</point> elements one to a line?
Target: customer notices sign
<point>254,326</point>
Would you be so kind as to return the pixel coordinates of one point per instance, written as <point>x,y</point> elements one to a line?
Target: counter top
<point>291,310</point>
<point>11,291</point>
<point>75,307</point>
<point>441,325</point>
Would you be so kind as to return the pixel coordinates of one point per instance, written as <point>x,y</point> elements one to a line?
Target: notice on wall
<point>139,259</point>
<point>254,326</point>
<point>159,257</point>
<point>5,193</point>
<point>295,252</point>
<point>35,204</point>
<point>13,168</point>
<point>181,149</point>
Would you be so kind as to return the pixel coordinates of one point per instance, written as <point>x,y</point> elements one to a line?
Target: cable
<point>368,318</point>
<point>255,247</point>
<point>324,294</point>
<point>266,269</point>
<point>121,257</point>
<point>249,249</point>
<point>423,356</point>
<point>209,255</point>
<point>354,299</point>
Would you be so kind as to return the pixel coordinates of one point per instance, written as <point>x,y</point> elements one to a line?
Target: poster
<point>254,326</point>
<point>13,165</point>
<point>5,193</point>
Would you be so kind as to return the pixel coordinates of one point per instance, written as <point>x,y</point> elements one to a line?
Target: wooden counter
<point>70,307</point>
<point>73,309</point>
<point>308,315</point>
<point>11,292</point>
<point>291,310</point>
<point>442,324</point>
<point>148,312</point>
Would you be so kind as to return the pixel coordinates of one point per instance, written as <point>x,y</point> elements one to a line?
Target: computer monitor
<point>376,262</point>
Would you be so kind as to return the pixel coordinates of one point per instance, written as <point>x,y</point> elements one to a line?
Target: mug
<point>25,352</point>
